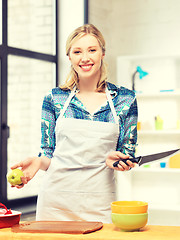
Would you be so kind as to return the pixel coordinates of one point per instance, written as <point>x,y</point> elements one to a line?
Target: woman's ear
<point>103,55</point>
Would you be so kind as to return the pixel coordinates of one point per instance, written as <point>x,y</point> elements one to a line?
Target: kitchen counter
<point>108,232</point>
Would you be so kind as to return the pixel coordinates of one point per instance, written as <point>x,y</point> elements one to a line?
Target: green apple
<point>14,177</point>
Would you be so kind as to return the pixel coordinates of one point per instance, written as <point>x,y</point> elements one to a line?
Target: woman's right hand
<point>117,156</point>
<point>30,167</point>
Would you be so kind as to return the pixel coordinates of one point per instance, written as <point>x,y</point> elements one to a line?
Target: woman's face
<point>86,56</point>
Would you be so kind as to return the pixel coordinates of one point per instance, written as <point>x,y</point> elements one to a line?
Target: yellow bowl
<point>129,222</point>
<point>129,207</point>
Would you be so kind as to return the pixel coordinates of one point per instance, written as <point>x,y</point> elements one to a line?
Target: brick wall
<point>30,25</point>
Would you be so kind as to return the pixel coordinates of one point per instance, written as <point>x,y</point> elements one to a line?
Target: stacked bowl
<point>129,215</point>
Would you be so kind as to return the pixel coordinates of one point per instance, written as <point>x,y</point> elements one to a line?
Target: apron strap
<point>71,95</point>
<point>116,118</point>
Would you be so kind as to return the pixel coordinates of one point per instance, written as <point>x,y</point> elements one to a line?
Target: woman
<point>87,125</point>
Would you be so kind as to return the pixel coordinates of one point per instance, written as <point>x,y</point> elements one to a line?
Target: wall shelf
<point>156,170</point>
<point>158,186</point>
<point>159,133</point>
<point>170,94</point>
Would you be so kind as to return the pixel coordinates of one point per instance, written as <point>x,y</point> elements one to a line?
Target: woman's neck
<point>89,84</point>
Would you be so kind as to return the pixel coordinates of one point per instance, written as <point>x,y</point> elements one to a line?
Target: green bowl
<point>129,222</point>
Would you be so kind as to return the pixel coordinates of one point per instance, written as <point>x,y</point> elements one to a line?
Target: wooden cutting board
<point>71,227</point>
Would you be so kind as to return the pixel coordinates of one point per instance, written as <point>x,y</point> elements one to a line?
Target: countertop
<point>108,232</point>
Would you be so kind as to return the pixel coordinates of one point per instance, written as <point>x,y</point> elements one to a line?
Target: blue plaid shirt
<point>125,104</point>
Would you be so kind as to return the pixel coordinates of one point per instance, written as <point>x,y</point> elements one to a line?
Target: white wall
<point>135,27</point>
<point>71,16</point>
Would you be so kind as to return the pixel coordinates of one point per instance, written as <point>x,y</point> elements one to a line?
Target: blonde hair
<point>72,78</point>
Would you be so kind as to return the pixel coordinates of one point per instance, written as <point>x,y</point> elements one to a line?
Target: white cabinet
<point>158,93</point>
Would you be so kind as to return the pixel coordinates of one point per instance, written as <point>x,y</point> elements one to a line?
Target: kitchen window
<point>29,69</point>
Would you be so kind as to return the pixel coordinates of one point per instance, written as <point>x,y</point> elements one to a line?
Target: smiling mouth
<point>86,67</point>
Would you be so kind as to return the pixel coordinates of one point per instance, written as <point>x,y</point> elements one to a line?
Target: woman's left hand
<point>115,156</point>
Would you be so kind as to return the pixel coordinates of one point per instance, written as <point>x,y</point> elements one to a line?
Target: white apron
<point>78,185</point>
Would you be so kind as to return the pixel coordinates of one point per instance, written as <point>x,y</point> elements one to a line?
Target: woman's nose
<point>85,57</point>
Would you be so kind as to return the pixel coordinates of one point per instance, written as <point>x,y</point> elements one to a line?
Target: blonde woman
<point>87,125</point>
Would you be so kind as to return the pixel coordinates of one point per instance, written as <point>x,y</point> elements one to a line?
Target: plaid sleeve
<point>129,143</point>
<point>48,126</point>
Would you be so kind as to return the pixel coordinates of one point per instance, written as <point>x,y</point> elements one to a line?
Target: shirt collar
<point>112,88</point>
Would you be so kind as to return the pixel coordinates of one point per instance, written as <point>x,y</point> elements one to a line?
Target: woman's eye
<point>76,52</point>
<point>92,50</point>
